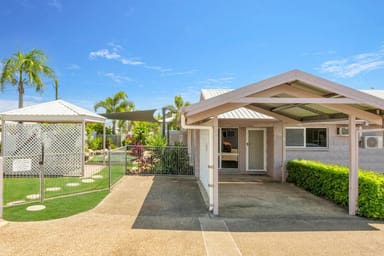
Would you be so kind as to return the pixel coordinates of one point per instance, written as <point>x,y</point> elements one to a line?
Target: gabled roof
<point>58,111</point>
<point>292,97</point>
<point>239,113</point>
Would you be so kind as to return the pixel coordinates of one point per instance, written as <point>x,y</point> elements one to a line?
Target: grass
<point>114,157</point>
<point>56,208</point>
<point>16,189</point>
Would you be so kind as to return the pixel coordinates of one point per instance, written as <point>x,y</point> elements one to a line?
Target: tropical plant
<point>117,103</point>
<point>175,110</point>
<point>26,69</point>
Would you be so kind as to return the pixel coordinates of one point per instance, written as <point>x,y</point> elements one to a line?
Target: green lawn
<point>114,158</point>
<point>55,208</point>
<point>16,189</point>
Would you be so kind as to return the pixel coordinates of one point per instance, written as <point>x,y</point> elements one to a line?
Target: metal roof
<point>58,111</point>
<point>377,93</point>
<point>239,113</point>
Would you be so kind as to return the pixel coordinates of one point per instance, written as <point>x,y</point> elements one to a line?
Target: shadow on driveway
<point>172,203</point>
<point>247,204</point>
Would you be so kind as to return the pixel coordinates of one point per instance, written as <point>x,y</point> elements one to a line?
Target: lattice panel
<point>63,150</point>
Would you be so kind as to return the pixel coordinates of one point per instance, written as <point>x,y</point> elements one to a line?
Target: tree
<point>117,103</point>
<point>26,69</point>
<point>175,110</point>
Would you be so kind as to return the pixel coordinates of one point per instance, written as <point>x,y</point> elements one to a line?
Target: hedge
<point>331,182</point>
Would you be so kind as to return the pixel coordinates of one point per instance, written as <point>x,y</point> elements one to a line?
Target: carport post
<point>283,155</point>
<point>215,170</point>
<point>353,166</point>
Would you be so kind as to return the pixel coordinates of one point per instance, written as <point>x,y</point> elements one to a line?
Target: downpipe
<point>210,157</point>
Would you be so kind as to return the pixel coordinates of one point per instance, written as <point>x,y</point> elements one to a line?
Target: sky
<point>155,50</point>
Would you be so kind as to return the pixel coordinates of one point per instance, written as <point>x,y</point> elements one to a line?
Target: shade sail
<point>140,115</point>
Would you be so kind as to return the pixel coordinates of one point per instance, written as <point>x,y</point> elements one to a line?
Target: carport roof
<point>293,97</point>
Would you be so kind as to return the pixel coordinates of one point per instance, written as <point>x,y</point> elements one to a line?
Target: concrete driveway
<point>146,215</point>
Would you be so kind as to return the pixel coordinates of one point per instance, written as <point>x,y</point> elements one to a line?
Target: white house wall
<point>204,159</point>
<point>338,152</point>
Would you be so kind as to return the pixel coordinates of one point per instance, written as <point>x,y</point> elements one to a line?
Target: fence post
<point>125,159</point>
<point>1,187</point>
<point>41,163</point>
<point>109,169</point>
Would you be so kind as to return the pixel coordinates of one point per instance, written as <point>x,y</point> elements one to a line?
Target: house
<point>258,128</point>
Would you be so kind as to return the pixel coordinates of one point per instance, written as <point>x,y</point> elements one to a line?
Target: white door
<point>256,149</point>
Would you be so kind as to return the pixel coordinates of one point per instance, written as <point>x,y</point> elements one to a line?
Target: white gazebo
<point>57,127</point>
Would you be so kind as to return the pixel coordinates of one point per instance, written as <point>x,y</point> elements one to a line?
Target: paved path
<point>165,216</point>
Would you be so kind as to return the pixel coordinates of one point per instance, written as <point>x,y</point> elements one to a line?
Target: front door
<point>256,149</point>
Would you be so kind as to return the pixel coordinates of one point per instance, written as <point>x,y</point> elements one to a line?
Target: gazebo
<point>56,128</point>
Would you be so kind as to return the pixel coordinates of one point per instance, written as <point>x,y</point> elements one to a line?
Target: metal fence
<point>22,184</point>
<point>168,160</point>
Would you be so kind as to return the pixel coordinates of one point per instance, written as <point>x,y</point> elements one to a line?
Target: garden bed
<point>331,182</point>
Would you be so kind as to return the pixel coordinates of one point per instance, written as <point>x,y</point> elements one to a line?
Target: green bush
<point>95,143</point>
<point>331,181</point>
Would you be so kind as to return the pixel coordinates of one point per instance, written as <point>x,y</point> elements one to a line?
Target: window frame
<point>305,138</point>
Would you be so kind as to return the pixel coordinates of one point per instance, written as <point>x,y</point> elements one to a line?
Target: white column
<point>353,166</point>
<point>1,186</point>
<point>215,169</point>
<point>283,155</point>
<point>83,147</point>
<point>1,166</point>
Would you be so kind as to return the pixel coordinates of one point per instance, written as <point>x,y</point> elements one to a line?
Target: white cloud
<point>134,61</point>
<point>131,62</point>
<point>179,73</point>
<point>116,47</point>
<point>220,81</point>
<point>72,67</point>
<point>354,65</point>
<point>7,105</point>
<point>158,68</point>
<point>117,78</point>
<point>56,4</point>
<point>104,53</point>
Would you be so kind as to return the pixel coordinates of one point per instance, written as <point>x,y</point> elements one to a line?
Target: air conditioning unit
<point>342,131</point>
<point>373,141</point>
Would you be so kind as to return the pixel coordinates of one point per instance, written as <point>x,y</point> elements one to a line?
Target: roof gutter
<point>210,148</point>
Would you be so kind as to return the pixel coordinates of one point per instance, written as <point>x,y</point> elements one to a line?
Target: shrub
<point>96,143</point>
<point>331,181</point>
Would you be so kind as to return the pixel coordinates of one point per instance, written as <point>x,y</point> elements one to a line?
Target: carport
<point>292,98</point>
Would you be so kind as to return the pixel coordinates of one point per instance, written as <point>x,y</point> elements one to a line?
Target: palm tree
<point>117,103</point>
<point>25,69</point>
<point>175,110</point>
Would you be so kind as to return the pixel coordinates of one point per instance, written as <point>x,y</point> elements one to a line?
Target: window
<point>306,137</point>
<point>228,146</point>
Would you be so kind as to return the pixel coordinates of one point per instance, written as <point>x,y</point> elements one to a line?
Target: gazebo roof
<point>58,111</point>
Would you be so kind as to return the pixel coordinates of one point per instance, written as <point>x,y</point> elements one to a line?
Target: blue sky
<point>154,50</point>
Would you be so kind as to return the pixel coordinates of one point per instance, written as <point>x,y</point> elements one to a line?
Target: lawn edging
<point>331,182</point>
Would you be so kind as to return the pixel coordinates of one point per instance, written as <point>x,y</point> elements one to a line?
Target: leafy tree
<point>117,103</point>
<point>26,69</point>
<point>142,132</point>
<point>175,110</point>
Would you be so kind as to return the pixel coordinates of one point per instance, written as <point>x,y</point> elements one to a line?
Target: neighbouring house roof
<point>377,93</point>
<point>239,113</point>
<point>293,97</point>
<point>58,111</point>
